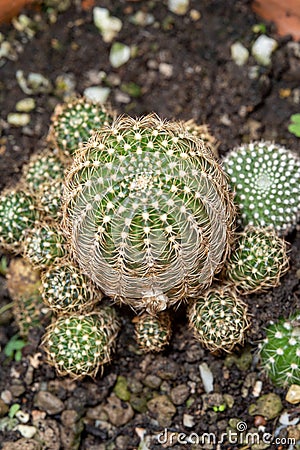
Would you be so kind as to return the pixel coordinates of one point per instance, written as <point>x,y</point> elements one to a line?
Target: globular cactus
<point>266,181</point>
<point>258,261</point>
<point>45,245</point>
<point>202,132</point>
<point>18,213</point>
<point>74,122</point>
<point>218,318</point>
<point>153,333</point>
<point>66,290</point>
<point>80,345</point>
<point>148,212</point>
<point>42,169</point>
<point>49,199</point>
<point>280,351</point>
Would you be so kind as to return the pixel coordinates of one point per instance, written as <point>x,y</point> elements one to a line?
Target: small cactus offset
<point>148,212</point>
<point>202,132</point>
<point>219,319</point>
<point>44,246</point>
<point>266,181</point>
<point>80,345</point>
<point>74,122</point>
<point>29,312</point>
<point>153,333</point>
<point>258,261</point>
<point>280,351</point>
<point>49,199</point>
<point>18,213</point>
<point>66,290</point>
<point>42,169</point>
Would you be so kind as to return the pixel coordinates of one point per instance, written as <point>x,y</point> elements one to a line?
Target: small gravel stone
<point>293,394</point>
<point>27,431</point>
<point>152,381</point>
<point>48,402</point>
<point>71,429</point>
<point>21,444</point>
<point>121,389</point>
<point>135,385</point>
<point>18,119</point>
<point>22,416</point>
<point>123,441</point>
<point>188,420</point>
<point>263,48</point>
<point>166,69</point>
<point>3,408</point>
<point>139,403</point>
<point>239,53</point>
<point>98,94</point>
<point>163,409</point>
<point>268,406</point>
<point>108,25</point>
<point>119,54</point>
<point>17,388</point>
<point>179,394</point>
<point>119,413</point>
<point>179,7</point>
<point>25,105</point>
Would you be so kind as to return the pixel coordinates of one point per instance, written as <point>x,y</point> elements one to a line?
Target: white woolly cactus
<point>266,181</point>
<point>79,345</point>
<point>218,318</point>
<point>148,212</point>
<point>66,290</point>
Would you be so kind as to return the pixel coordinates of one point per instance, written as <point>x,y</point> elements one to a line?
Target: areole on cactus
<point>148,212</point>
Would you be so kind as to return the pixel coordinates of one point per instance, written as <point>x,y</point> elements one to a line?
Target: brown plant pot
<point>284,13</point>
<point>10,8</point>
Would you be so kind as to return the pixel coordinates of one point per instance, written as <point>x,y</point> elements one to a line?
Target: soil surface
<point>180,68</point>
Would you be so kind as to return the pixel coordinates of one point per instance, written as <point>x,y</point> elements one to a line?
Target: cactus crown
<point>17,215</point>
<point>79,345</point>
<point>42,169</point>
<point>266,181</point>
<point>148,212</point>
<point>65,290</point>
<point>258,261</point>
<point>74,122</point>
<point>45,245</point>
<point>153,332</point>
<point>219,319</point>
<point>280,351</point>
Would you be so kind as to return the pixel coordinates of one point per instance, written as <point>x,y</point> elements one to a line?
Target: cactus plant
<point>66,290</point>
<point>280,351</point>
<point>42,168</point>
<point>17,214</point>
<point>202,132</point>
<point>258,261</point>
<point>29,312</point>
<point>49,199</point>
<point>80,345</point>
<point>266,181</point>
<point>148,212</point>
<point>45,245</point>
<point>218,318</point>
<point>153,333</point>
<point>74,122</point>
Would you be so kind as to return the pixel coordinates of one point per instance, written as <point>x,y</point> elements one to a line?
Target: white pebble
<point>119,54</point>
<point>18,119</point>
<point>188,420</point>
<point>207,377</point>
<point>179,7</point>
<point>108,25</point>
<point>239,53</point>
<point>22,416</point>
<point>263,48</point>
<point>257,388</point>
<point>97,94</point>
<point>27,431</point>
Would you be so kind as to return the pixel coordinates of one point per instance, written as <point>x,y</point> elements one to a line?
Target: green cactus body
<point>50,197</point>
<point>258,261</point>
<point>42,169</point>
<point>66,290</point>
<point>153,332</point>
<point>80,345</point>
<point>280,351</point>
<point>266,181</point>
<point>148,212</point>
<point>218,319</point>
<point>74,122</point>
<point>18,213</point>
<point>44,246</point>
